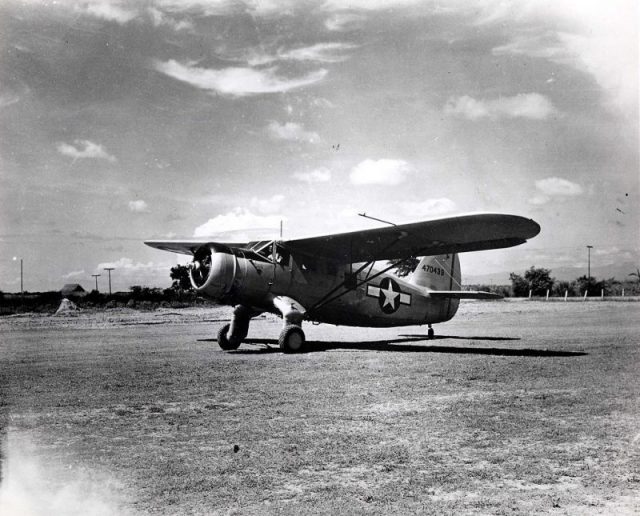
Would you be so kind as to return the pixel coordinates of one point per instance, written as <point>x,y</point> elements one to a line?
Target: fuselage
<point>254,279</point>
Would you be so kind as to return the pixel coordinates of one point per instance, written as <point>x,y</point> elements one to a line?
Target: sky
<point>160,119</point>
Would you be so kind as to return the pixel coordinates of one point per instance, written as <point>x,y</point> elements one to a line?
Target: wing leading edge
<point>189,246</point>
<point>440,236</point>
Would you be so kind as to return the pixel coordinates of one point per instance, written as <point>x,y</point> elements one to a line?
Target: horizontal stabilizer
<point>464,294</point>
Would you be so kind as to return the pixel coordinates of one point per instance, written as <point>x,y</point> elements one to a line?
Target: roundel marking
<point>389,297</point>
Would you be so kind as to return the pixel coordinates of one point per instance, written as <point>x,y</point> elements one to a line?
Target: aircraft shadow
<point>404,345</point>
<point>436,337</point>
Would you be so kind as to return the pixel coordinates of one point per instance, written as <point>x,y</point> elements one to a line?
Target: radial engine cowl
<point>212,272</point>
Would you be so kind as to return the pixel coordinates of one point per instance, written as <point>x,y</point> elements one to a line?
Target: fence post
<point>602,294</point>
<point>530,291</point>
<point>585,294</point>
<point>547,295</point>
<point>622,292</point>
<point>566,293</point>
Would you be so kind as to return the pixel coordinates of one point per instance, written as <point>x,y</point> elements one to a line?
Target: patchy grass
<point>517,408</point>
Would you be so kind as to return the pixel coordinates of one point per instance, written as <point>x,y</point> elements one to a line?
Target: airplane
<point>336,279</point>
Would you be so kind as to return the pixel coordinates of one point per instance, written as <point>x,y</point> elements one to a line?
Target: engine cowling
<point>213,271</point>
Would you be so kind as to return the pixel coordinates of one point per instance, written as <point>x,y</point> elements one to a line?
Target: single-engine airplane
<point>335,279</point>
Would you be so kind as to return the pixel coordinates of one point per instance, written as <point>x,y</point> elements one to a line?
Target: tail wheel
<point>291,339</point>
<point>223,340</point>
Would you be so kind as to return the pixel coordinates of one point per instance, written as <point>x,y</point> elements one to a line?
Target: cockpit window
<point>265,249</point>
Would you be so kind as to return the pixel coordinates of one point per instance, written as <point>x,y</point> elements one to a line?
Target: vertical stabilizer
<point>440,272</point>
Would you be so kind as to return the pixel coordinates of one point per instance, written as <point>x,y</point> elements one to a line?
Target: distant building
<point>73,289</point>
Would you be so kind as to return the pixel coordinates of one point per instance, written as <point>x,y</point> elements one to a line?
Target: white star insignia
<point>390,296</point>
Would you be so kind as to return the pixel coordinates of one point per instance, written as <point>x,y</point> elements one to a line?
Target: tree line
<point>538,281</point>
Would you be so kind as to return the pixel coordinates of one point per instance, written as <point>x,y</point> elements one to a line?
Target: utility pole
<point>15,258</point>
<point>109,269</point>
<point>96,277</point>
<point>589,247</point>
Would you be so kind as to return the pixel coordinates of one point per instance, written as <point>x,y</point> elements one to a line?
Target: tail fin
<point>440,272</point>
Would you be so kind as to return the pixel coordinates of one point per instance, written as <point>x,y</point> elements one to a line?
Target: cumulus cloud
<point>221,7</point>
<point>428,208</point>
<point>74,274</point>
<point>160,19</point>
<point>554,187</point>
<point>381,172</point>
<point>128,265</point>
<point>523,105</point>
<point>237,81</point>
<point>85,149</point>
<point>107,10</point>
<point>238,220</point>
<point>123,12</point>
<point>321,52</point>
<point>558,186</point>
<point>342,22</point>
<point>267,206</point>
<point>318,175</point>
<point>292,131</point>
<point>138,206</point>
<point>595,37</point>
<point>370,5</point>
<point>8,98</point>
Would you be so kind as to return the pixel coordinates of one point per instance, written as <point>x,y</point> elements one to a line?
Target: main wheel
<point>223,340</point>
<point>431,333</point>
<point>291,339</point>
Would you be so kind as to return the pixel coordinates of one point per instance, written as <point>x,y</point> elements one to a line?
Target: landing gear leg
<point>430,334</point>
<point>231,335</point>
<point>292,337</point>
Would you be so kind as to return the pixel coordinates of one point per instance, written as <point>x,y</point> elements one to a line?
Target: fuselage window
<point>282,256</point>
<point>309,264</point>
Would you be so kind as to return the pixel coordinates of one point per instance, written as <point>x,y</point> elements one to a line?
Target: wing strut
<point>328,299</point>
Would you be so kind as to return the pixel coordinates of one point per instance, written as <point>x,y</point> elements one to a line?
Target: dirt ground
<point>517,407</point>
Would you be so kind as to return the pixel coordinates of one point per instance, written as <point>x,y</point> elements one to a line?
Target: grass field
<point>517,407</point>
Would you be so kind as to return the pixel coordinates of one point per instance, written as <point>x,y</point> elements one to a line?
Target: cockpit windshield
<point>265,249</point>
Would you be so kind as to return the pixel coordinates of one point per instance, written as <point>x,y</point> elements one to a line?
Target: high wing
<point>190,246</point>
<point>440,236</point>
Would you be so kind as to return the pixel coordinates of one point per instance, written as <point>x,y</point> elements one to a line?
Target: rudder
<point>441,272</point>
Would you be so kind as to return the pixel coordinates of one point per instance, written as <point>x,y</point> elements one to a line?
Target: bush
<point>538,280</point>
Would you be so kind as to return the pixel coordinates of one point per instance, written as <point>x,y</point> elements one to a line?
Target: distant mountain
<point>618,271</point>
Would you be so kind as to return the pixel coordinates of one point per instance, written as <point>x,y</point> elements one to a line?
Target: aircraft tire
<point>431,333</point>
<point>291,339</point>
<point>223,340</point>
